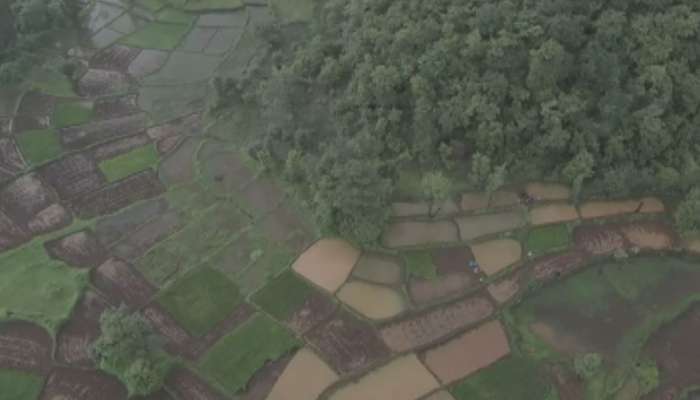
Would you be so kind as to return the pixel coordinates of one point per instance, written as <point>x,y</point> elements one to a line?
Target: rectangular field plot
<point>127,164</point>
<point>39,146</point>
<point>157,35</point>
<point>283,295</point>
<point>19,385</point>
<point>236,357</point>
<point>547,239</point>
<point>200,300</point>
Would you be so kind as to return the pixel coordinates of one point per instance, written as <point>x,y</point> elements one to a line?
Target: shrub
<point>586,365</point>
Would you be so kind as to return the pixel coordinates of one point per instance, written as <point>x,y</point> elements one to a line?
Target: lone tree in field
<point>687,214</point>
<point>129,349</point>
<point>436,188</point>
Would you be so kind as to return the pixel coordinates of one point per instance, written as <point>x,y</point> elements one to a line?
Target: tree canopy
<point>602,92</point>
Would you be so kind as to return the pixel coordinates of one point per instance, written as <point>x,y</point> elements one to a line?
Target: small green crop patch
<point>513,378</point>
<point>174,16</point>
<point>53,83</point>
<point>130,163</point>
<point>420,264</point>
<point>200,300</point>
<point>548,238</point>
<point>157,35</point>
<point>294,10</point>
<point>37,288</point>
<point>587,292</point>
<point>72,113</point>
<point>632,280</point>
<point>16,385</point>
<point>39,146</point>
<point>236,357</point>
<point>283,295</point>
<point>203,5</point>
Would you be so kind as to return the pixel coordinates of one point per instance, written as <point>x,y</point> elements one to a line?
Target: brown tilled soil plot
<point>226,168</point>
<point>678,357</point>
<point>316,309</point>
<point>80,249</point>
<point>113,148</point>
<point>431,326</point>
<point>483,225</point>
<point>553,213</point>
<point>468,353</point>
<point>37,104</point>
<point>445,286</point>
<point>11,234</point>
<point>80,331</point>
<point>101,82</point>
<point>294,383</point>
<point>113,107</point>
<point>558,265</point>
<point>120,225</point>
<point>77,137</point>
<point>450,260</point>
<point>406,234</point>
<point>600,209</point>
<point>141,186</point>
<point>347,344</point>
<point>649,235</point>
<point>115,57</point>
<point>496,255</point>
<point>187,385</point>
<point>548,191</point>
<point>25,197</point>
<point>11,163</point>
<point>402,379</point>
<point>505,289</point>
<point>378,269</point>
<point>78,384</point>
<point>177,340</point>
<point>25,346</point>
<point>479,201</point>
<point>598,239</point>
<point>73,175</point>
<point>51,218</point>
<point>327,263</point>
<point>121,283</point>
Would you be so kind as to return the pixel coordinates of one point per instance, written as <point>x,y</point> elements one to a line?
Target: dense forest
<point>25,26</point>
<point>603,94</point>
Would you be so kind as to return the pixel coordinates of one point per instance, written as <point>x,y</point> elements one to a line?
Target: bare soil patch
<point>11,234</point>
<point>598,239</point>
<point>167,145</point>
<point>114,107</point>
<point>444,287</point>
<point>553,213</point>
<point>601,209</point>
<point>51,218</point>
<point>327,263</point>
<point>36,104</point>
<point>187,385</point>
<point>677,356</point>
<point>286,226</point>
<point>177,340</point>
<point>402,379</point>
<point>77,137</point>
<point>178,167</point>
<point>548,191</point>
<point>79,384</point>
<point>80,249</point>
<point>347,344</point>
<point>429,327</point>
<point>496,255</point>
<point>25,346</point>
<point>122,283</point>
<point>406,234</point>
<point>102,82</point>
<point>378,269</point>
<point>316,309</point>
<point>483,225</point>
<point>25,197</point>
<point>113,148</point>
<point>114,227</point>
<point>80,331</point>
<point>224,168</point>
<point>189,125</point>
<point>11,162</point>
<point>468,353</point>
<point>115,58</point>
<point>140,186</point>
<point>73,175</point>
<point>450,260</point>
<point>294,383</point>
<point>504,290</point>
<point>649,235</point>
<point>147,235</point>
<point>479,201</point>
<point>23,123</point>
<point>558,265</point>
<point>262,196</point>
<point>372,301</point>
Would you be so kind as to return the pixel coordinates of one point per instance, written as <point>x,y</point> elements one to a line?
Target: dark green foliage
<point>129,349</point>
<point>587,91</point>
<point>513,378</point>
<point>687,214</point>
<point>548,238</point>
<point>283,295</point>
<point>587,365</point>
